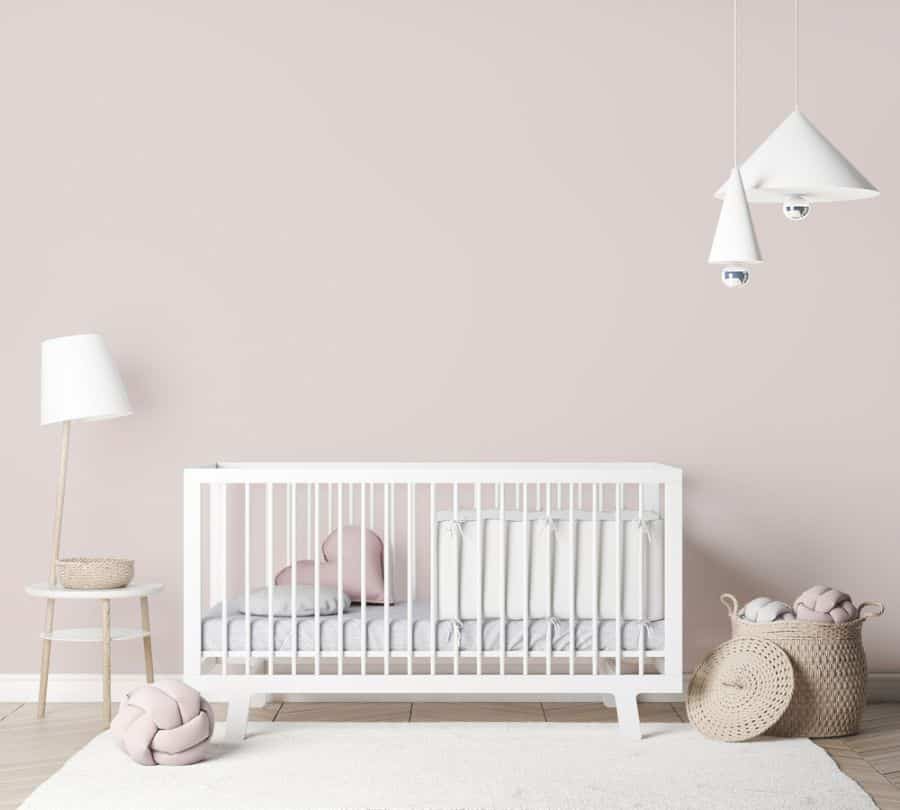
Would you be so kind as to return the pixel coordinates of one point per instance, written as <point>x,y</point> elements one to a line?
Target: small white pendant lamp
<point>734,244</point>
<point>797,165</point>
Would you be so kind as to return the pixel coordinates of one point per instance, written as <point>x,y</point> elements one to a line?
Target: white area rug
<point>462,765</point>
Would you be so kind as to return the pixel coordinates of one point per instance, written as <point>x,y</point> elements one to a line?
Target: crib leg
<point>236,722</point>
<point>627,710</point>
<point>258,666</point>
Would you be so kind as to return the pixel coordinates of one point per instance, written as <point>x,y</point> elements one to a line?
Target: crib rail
<point>245,522</point>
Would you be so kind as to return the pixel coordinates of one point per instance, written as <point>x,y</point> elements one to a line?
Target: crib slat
<point>330,508</point>
<point>340,578</point>
<point>410,572</point>
<point>548,665</point>
<point>526,560</point>
<point>433,581</point>
<point>573,554</point>
<point>642,614</point>
<point>414,533</point>
<point>364,626</point>
<point>270,576</point>
<point>223,545</point>
<point>247,576</point>
<point>595,595</point>
<point>480,617</point>
<point>317,628</point>
<point>672,517</point>
<point>292,562</point>
<point>216,590</point>
<point>459,571</point>
<point>619,500</point>
<point>502,491</point>
<point>309,534</point>
<point>388,499</point>
<point>287,525</point>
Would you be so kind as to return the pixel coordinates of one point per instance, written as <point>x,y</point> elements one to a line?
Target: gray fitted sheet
<point>451,635</point>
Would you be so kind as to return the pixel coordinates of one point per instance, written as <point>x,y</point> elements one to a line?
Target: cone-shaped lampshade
<point>797,159</point>
<point>735,239</point>
<point>79,381</point>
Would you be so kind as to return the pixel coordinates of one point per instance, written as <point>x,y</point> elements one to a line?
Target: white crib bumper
<point>549,582</point>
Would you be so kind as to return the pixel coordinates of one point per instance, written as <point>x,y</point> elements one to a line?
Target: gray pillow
<point>281,601</point>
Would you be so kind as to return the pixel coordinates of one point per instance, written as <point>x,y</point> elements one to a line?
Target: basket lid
<point>740,690</point>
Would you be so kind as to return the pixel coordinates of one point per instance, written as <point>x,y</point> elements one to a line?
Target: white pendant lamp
<point>734,244</point>
<point>797,165</point>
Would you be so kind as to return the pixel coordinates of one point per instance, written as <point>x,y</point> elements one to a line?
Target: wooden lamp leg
<point>107,663</point>
<point>148,649</point>
<point>57,534</point>
<point>45,659</point>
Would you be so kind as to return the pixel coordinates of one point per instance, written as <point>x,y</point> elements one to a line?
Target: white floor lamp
<point>79,383</point>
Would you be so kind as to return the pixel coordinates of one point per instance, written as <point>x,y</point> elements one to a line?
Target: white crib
<point>509,580</point>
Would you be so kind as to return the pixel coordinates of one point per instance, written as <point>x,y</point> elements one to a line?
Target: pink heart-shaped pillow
<point>352,554</point>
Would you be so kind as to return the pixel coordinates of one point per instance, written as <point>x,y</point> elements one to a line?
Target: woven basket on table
<point>94,573</point>
<point>829,670</point>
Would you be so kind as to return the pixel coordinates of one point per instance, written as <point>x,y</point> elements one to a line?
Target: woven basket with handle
<point>829,670</point>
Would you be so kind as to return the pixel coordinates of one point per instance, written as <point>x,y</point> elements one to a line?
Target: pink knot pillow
<point>826,605</point>
<point>352,553</point>
<point>164,723</point>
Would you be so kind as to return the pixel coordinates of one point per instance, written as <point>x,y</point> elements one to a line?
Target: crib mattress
<point>451,634</point>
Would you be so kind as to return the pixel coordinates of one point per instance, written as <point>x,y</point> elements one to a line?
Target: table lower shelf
<point>94,634</point>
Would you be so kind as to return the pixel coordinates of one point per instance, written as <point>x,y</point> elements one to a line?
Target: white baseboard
<point>68,687</point>
<point>87,688</point>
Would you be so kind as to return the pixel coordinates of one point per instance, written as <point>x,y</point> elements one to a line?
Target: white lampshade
<point>798,160</point>
<point>735,238</point>
<point>79,381</point>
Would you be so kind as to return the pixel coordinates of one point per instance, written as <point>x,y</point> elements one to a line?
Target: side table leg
<point>107,663</point>
<point>148,648</point>
<point>45,658</point>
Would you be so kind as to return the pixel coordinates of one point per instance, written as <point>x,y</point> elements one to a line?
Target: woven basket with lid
<point>829,670</point>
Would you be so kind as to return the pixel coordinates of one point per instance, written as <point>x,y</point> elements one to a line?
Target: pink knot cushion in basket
<point>164,723</point>
<point>825,605</point>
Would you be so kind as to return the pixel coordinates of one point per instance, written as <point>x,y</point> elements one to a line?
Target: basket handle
<point>731,603</point>
<point>877,609</point>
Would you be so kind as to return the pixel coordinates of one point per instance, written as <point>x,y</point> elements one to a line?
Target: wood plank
<point>879,739</point>
<point>477,712</point>
<point>342,712</point>
<point>883,793</point>
<point>7,709</point>
<point>681,710</point>
<point>33,749</point>
<point>262,714</point>
<point>598,713</point>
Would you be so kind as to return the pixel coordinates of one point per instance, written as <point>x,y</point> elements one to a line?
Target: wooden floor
<point>31,750</point>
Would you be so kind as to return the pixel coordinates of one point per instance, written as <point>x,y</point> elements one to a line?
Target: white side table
<point>105,633</point>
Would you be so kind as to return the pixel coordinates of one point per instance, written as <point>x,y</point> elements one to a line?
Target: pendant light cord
<point>734,111</point>
<point>796,54</point>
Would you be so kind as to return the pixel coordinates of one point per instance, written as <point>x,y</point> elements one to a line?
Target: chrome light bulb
<point>796,208</point>
<point>735,277</point>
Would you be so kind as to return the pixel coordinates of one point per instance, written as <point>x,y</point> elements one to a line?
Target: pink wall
<point>423,230</point>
